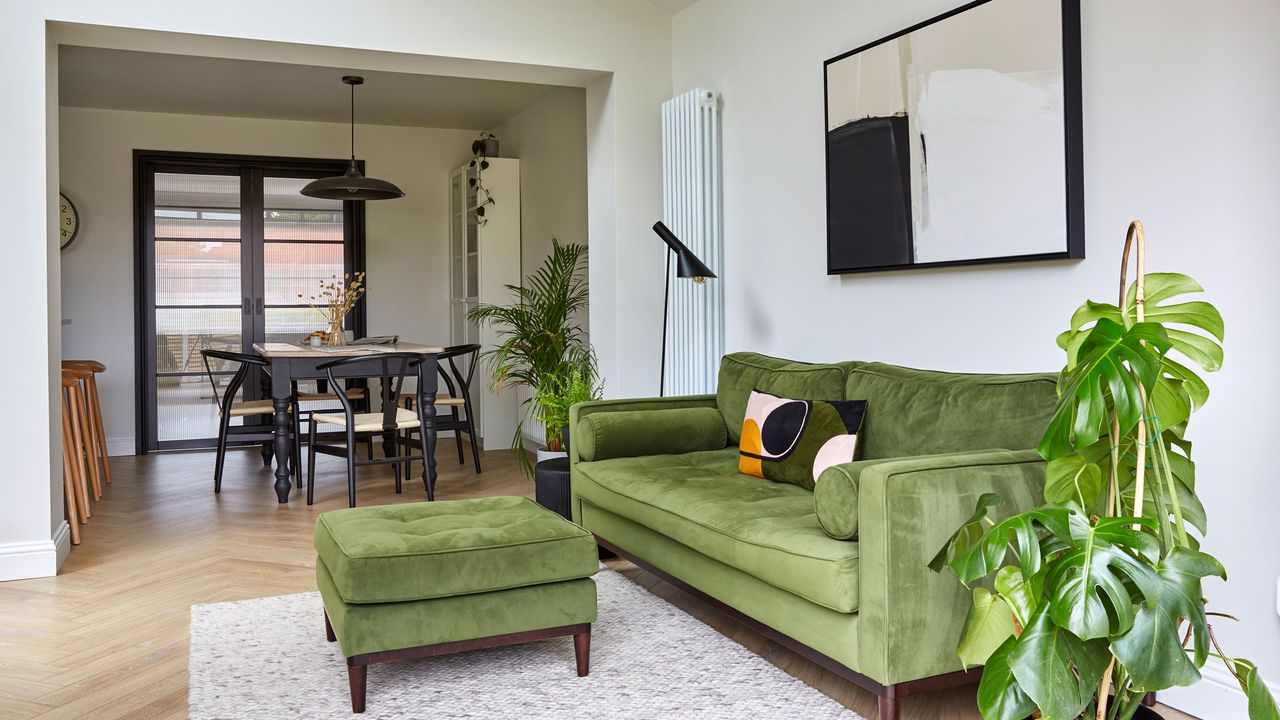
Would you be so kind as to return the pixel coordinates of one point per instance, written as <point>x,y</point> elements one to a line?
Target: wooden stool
<point>94,407</point>
<point>73,468</point>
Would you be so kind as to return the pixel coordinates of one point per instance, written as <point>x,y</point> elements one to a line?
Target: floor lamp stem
<point>666,293</point>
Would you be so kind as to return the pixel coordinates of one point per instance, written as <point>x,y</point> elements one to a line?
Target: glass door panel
<point>230,253</point>
<point>303,248</point>
<point>198,260</point>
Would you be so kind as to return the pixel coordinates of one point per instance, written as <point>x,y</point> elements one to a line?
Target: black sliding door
<point>225,246</point>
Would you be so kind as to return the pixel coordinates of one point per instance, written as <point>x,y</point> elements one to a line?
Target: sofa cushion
<point>793,441</point>
<point>835,501</point>
<point>742,372</point>
<point>922,412</point>
<point>762,528</point>
<point>418,551</point>
<point>628,433</point>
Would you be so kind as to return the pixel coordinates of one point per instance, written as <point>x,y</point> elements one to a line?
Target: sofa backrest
<point>921,412</point>
<point>742,372</point>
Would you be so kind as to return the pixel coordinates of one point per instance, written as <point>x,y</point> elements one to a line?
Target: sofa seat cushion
<point>763,528</point>
<point>419,551</point>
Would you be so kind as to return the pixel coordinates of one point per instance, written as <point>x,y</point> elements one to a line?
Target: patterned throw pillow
<point>793,441</point>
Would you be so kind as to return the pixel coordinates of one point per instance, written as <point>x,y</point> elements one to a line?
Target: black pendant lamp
<point>351,185</point>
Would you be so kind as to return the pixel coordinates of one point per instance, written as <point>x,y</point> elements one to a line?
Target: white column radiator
<point>691,208</point>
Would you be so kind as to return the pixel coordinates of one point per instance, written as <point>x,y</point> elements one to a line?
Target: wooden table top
<point>292,350</point>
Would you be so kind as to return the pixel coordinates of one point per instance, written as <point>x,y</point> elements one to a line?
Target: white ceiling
<point>673,6</point>
<point>154,82</point>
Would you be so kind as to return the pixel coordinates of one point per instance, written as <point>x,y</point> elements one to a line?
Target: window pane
<point>197,206</point>
<point>289,215</point>
<point>293,269</point>
<point>197,273</point>
<point>181,333</point>
<point>293,324</point>
<point>187,408</point>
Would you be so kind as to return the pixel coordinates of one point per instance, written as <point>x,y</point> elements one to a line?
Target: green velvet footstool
<point>414,580</point>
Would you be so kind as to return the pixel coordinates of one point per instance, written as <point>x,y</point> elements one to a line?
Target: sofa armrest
<point>583,410</point>
<point>911,617</point>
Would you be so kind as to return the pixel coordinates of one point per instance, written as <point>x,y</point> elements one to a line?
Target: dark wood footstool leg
<point>888,708</point>
<point>328,629</point>
<point>357,675</point>
<point>582,651</point>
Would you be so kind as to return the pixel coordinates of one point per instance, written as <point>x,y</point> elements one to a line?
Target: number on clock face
<point>68,221</point>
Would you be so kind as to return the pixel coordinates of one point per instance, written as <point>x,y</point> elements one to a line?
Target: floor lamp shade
<point>687,266</point>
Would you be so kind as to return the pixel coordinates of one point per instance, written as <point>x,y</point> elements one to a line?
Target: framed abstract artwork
<point>958,141</point>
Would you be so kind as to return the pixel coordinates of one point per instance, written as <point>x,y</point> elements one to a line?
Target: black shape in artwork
<point>869,191</point>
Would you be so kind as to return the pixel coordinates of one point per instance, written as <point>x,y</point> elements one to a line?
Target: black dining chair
<point>388,419</point>
<point>230,407</point>
<point>457,396</point>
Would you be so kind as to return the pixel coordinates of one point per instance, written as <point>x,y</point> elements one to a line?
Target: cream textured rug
<point>267,658</point>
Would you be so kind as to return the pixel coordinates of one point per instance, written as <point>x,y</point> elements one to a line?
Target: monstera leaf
<point>1057,670</point>
<point>1073,477</point>
<point>1020,593</point>
<point>1262,706</point>
<point>1151,650</point>
<point>1090,582</point>
<point>1201,316</point>
<point>973,554</point>
<point>990,623</point>
<point>1114,361</point>
<point>999,697</point>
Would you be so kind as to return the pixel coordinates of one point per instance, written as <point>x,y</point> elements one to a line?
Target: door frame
<point>144,164</point>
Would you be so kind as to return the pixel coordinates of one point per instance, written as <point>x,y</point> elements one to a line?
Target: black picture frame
<point>1072,140</point>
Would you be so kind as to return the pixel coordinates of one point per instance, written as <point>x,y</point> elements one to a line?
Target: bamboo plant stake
<point>1135,233</point>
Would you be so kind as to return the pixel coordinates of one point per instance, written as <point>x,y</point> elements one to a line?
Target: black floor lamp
<point>687,266</point>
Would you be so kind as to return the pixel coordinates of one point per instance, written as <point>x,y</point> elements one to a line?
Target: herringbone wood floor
<point>107,638</point>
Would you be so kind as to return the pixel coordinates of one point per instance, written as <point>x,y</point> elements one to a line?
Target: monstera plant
<point>1084,605</point>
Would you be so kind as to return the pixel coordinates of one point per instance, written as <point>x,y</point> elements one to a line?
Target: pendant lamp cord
<point>353,123</point>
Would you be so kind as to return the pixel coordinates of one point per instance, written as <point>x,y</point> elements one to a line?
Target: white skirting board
<point>38,558</point>
<point>117,446</point>
<point>1216,697</point>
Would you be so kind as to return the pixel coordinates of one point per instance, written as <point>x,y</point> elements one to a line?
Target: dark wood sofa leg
<point>328,629</point>
<point>358,675</point>
<point>888,707</point>
<point>582,651</point>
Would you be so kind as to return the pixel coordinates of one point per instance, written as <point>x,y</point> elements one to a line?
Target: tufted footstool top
<point>420,551</point>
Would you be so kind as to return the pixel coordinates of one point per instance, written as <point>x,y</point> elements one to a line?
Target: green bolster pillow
<point>835,500</point>
<point>633,433</point>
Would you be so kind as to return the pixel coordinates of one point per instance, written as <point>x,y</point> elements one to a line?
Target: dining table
<point>291,362</point>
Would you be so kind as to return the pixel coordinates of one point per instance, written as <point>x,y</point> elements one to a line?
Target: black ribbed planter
<point>1143,713</point>
<point>551,485</point>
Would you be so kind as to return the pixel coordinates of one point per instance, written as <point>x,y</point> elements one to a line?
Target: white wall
<point>406,239</point>
<point>619,50</point>
<point>550,139</point>
<point>1180,99</point>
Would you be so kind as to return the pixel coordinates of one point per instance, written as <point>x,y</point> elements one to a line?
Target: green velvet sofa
<point>838,574</point>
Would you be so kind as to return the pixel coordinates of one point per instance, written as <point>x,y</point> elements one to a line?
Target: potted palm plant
<point>552,401</point>
<point>540,335</point>
<point>1097,593</point>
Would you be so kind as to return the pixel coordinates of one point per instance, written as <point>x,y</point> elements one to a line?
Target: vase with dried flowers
<point>335,299</point>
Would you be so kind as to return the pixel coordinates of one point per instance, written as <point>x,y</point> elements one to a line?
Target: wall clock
<point>68,221</point>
